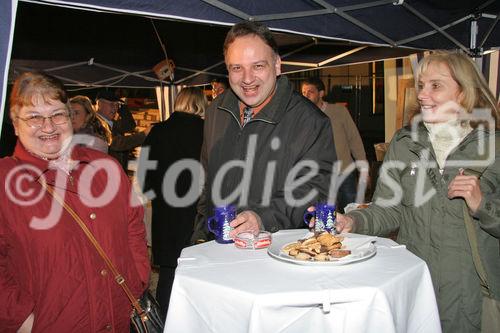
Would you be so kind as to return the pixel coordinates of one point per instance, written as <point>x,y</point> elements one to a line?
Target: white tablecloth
<point>219,288</point>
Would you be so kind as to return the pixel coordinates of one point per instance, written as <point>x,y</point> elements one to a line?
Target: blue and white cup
<point>324,216</point>
<point>218,224</point>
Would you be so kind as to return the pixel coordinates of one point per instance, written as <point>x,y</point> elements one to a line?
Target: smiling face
<point>439,94</point>
<point>253,68</point>
<point>49,140</point>
<point>80,116</point>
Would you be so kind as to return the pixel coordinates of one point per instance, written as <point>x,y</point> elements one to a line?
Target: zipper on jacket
<point>251,120</point>
<point>263,120</point>
<point>232,114</point>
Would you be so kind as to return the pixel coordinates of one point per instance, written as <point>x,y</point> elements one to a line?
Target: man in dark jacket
<point>266,149</point>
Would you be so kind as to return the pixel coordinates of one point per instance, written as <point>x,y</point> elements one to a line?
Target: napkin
<point>353,243</point>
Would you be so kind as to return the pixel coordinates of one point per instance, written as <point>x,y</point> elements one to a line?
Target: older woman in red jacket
<point>51,277</point>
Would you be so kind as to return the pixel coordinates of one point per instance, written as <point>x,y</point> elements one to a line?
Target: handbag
<point>145,316</point>
<point>490,315</point>
<point>151,320</point>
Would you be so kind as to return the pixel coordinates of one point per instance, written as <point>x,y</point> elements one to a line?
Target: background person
<point>435,229</point>
<point>348,143</point>
<point>85,121</point>
<point>122,127</point>
<point>179,137</point>
<point>219,85</point>
<point>287,129</point>
<point>51,277</point>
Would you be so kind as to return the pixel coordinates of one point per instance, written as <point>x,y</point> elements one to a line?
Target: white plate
<point>361,247</point>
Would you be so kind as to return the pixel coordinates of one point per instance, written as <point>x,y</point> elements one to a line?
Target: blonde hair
<point>93,124</point>
<point>475,91</point>
<point>31,86</point>
<point>191,100</point>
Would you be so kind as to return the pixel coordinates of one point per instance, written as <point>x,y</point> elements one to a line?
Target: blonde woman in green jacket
<point>441,167</point>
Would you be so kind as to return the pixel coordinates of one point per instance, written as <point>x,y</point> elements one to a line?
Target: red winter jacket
<point>49,268</point>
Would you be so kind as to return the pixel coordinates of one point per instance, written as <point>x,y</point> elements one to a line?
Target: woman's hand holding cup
<point>343,223</point>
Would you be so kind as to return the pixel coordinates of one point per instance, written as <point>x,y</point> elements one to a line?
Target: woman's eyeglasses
<point>37,121</point>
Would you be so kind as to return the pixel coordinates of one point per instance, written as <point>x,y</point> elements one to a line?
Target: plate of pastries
<point>323,248</point>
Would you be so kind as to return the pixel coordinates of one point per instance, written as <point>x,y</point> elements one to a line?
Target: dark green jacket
<point>434,229</point>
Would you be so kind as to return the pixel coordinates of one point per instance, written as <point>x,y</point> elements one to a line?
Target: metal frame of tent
<point>473,49</point>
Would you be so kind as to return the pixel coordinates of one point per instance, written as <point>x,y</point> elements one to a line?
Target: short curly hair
<point>35,86</point>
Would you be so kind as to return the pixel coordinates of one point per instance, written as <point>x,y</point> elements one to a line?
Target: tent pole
<point>490,30</point>
<point>199,72</point>
<point>171,98</point>
<point>432,32</point>
<point>146,78</point>
<point>9,8</point>
<point>474,51</point>
<point>432,24</point>
<point>162,102</point>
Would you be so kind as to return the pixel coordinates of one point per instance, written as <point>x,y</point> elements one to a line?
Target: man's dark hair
<point>315,81</point>
<point>251,28</point>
